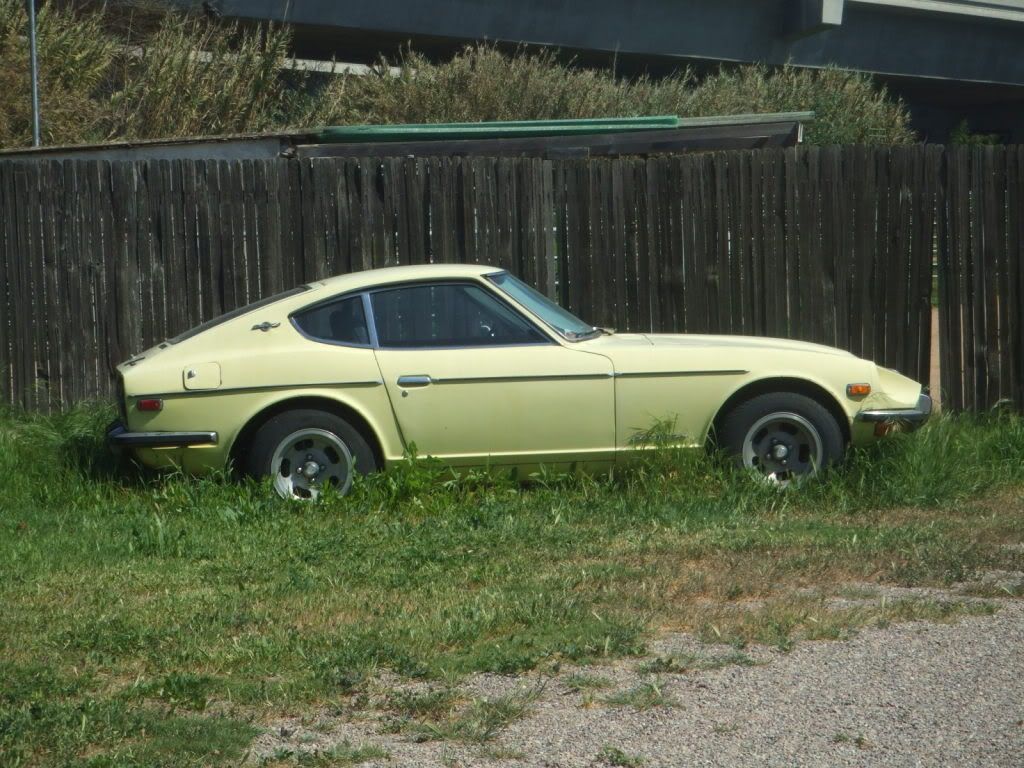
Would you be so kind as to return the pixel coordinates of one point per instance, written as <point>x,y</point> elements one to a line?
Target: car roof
<point>385,275</point>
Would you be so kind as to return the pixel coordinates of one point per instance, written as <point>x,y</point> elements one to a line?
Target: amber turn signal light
<point>858,390</point>
<point>150,404</point>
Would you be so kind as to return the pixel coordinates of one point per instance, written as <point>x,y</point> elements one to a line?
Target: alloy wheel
<point>783,447</point>
<point>310,460</point>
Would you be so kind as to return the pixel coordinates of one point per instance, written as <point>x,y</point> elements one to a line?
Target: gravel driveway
<point>916,694</point>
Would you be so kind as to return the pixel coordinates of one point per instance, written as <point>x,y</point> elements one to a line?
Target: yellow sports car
<point>476,368</point>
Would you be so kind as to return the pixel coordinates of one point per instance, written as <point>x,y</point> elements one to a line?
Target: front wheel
<point>306,451</point>
<point>783,436</point>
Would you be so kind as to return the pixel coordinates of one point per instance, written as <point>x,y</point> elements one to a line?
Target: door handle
<point>414,381</point>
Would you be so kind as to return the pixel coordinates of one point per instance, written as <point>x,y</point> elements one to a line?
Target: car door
<point>473,381</point>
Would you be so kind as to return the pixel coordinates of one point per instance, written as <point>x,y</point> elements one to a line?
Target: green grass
<point>160,620</point>
<point>680,665</point>
<point>343,754</point>
<point>786,619</point>
<point>641,697</point>
<point>441,718</point>
<point>429,705</point>
<point>616,757</point>
<point>580,683</point>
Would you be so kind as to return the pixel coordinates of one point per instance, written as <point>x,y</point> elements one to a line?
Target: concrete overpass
<point>948,58</point>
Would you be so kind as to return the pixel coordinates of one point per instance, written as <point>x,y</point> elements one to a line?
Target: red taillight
<point>150,404</point>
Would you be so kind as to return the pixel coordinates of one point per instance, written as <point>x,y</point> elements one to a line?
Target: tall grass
<point>132,602</point>
<point>106,75</point>
<point>76,56</point>
<point>192,78</point>
<point>174,76</point>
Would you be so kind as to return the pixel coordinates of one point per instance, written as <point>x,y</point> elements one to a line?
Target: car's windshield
<point>566,323</point>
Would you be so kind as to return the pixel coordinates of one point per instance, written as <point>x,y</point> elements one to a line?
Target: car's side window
<point>340,322</point>
<point>448,315</point>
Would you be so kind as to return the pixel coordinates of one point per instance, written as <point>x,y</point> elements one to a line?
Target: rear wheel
<point>783,436</point>
<point>306,451</point>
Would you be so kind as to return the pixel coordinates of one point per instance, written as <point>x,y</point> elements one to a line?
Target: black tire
<point>773,414</point>
<point>272,434</point>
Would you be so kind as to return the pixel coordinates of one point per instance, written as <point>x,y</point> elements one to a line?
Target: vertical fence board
<point>35,270</point>
<point>51,184</point>
<point>1015,272</point>
<point>8,254</point>
<point>676,232</point>
<point>6,280</point>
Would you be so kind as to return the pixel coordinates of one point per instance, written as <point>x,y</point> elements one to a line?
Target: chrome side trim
<point>540,377</point>
<point>586,376</point>
<point>670,374</point>
<point>469,347</point>
<point>268,388</point>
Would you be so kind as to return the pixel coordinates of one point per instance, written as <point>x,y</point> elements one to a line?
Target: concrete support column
<point>813,16</point>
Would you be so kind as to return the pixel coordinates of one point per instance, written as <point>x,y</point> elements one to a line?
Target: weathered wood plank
<point>51,182</point>
<point>960,232</point>
<point>997,316</point>
<point>753,218</point>
<point>127,270</point>
<point>976,268</point>
<point>1015,273</point>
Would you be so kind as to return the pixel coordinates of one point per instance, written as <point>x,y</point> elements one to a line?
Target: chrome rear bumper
<point>910,417</point>
<point>118,436</point>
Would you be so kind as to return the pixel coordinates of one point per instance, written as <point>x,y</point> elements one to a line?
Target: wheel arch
<point>792,384</point>
<point>359,422</point>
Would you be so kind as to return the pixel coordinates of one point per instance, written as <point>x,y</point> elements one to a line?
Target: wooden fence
<point>99,260</point>
<point>981,279</point>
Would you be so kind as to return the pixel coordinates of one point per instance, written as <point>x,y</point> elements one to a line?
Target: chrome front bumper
<point>118,436</point>
<point>909,417</point>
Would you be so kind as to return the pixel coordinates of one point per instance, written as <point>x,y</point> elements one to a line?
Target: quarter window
<point>448,315</point>
<point>340,322</point>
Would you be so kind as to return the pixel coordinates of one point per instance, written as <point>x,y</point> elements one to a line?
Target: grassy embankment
<point>156,620</point>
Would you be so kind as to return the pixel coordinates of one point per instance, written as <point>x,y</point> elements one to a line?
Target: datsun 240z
<point>476,368</point>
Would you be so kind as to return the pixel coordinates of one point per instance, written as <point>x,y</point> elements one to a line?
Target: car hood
<point>681,353</point>
<point>699,342</point>
<point>694,341</point>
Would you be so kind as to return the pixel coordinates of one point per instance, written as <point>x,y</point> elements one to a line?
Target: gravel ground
<point>915,694</point>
